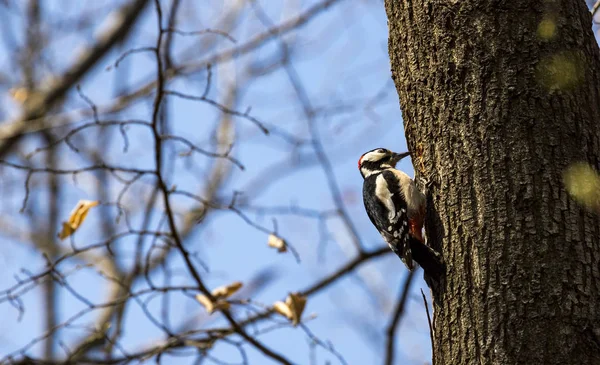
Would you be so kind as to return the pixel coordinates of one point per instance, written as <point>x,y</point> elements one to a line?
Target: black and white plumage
<point>393,203</point>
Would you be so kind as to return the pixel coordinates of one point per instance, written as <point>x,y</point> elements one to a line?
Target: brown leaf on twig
<point>277,242</point>
<point>226,291</point>
<point>220,295</point>
<point>292,308</point>
<point>76,218</point>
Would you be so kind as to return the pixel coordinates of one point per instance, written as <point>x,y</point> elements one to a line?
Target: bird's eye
<point>381,150</point>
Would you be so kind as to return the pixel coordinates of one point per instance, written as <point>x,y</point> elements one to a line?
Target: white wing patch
<point>415,200</point>
<point>385,196</point>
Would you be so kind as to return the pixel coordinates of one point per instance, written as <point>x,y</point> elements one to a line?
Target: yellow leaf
<point>296,302</point>
<point>292,308</point>
<point>222,305</point>
<point>277,242</point>
<point>219,295</point>
<point>206,303</point>
<point>226,291</point>
<point>76,218</point>
<point>283,309</point>
<point>66,231</point>
<point>212,306</point>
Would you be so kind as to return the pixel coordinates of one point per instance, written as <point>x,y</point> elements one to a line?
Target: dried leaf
<point>283,309</point>
<point>76,218</point>
<point>292,308</point>
<point>212,306</point>
<point>277,242</point>
<point>206,303</point>
<point>296,302</point>
<point>219,294</point>
<point>226,291</point>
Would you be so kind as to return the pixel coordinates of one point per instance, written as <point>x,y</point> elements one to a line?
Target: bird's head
<point>377,160</point>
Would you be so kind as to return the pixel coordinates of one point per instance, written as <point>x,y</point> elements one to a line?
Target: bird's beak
<point>398,156</point>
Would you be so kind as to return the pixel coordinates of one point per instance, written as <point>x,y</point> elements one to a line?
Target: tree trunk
<point>498,98</point>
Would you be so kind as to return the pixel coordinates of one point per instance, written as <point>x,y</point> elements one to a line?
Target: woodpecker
<point>393,202</point>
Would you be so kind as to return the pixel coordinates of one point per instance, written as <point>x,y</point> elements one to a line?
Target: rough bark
<point>496,105</point>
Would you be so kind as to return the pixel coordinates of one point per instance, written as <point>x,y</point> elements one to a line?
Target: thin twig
<point>13,130</point>
<point>395,322</point>
<point>45,100</point>
<point>310,115</point>
<point>169,211</point>
<point>430,328</point>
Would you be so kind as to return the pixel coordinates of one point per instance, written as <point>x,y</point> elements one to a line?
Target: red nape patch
<point>415,229</point>
<point>360,160</point>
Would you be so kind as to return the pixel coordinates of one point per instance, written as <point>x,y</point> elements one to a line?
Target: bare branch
<point>397,315</point>
<point>125,18</point>
<point>595,8</point>
<point>168,210</point>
